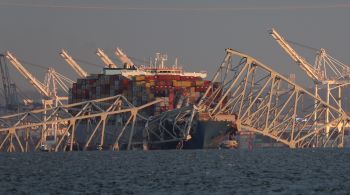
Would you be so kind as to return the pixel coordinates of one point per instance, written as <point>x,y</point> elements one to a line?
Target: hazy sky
<point>195,31</point>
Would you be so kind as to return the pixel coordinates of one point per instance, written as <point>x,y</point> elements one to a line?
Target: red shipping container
<point>125,82</point>
<point>176,77</point>
<point>171,106</point>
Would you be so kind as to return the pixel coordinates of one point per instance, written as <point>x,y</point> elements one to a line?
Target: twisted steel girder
<point>268,103</point>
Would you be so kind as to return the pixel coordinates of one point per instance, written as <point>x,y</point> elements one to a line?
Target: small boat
<point>44,148</point>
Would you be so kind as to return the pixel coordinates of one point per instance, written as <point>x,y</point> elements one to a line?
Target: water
<point>263,171</point>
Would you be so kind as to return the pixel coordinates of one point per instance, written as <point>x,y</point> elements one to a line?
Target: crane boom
<point>40,87</point>
<point>109,63</point>
<point>124,58</point>
<point>309,69</point>
<point>82,73</point>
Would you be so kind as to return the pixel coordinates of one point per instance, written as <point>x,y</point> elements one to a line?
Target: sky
<point>197,32</point>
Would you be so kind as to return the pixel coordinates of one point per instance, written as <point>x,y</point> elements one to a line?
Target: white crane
<point>309,69</point>
<point>326,68</point>
<point>104,57</point>
<point>48,89</point>
<point>39,86</point>
<point>327,71</point>
<point>124,58</point>
<point>76,67</point>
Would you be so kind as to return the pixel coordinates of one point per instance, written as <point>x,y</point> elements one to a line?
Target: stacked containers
<point>173,90</point>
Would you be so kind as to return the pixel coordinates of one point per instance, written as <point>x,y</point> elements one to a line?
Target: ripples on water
<point>309,171</point>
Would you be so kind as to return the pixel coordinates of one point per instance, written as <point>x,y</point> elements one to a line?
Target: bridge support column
<point>292,144</point>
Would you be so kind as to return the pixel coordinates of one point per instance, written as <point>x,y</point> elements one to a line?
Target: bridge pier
<point>292,144</point>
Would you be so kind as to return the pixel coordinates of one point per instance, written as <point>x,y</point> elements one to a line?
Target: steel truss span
<point>170,126</point>
<point>111,122</point>
<point>267,103</point>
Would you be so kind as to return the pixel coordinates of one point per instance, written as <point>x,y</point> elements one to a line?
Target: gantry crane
<point>327,71</point>
<point>9,89</point>
<point>124,59</point>
<point>12,95</point>
<point>76,67</point>
<point>48,89</point>
<point>104,57</point>
<point>309,69</point>
<point>40,87</point>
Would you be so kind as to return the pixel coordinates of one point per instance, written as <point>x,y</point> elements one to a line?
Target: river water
<point>260,171</point>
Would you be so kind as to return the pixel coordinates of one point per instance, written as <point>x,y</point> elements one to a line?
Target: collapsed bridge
<point>268,103</point>
<point>265,102</point>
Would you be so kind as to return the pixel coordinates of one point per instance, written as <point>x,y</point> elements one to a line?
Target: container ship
<point>140,85</point>
<point>143,84</point>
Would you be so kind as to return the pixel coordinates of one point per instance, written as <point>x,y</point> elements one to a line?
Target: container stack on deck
<point>175,90</point>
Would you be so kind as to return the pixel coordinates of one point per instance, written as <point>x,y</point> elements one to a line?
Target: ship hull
<point>209,135</point>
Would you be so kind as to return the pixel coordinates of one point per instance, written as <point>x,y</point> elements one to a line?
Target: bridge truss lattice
<point>268,103</point>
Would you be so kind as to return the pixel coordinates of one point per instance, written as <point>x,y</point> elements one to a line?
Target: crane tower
<point>327,72</point>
